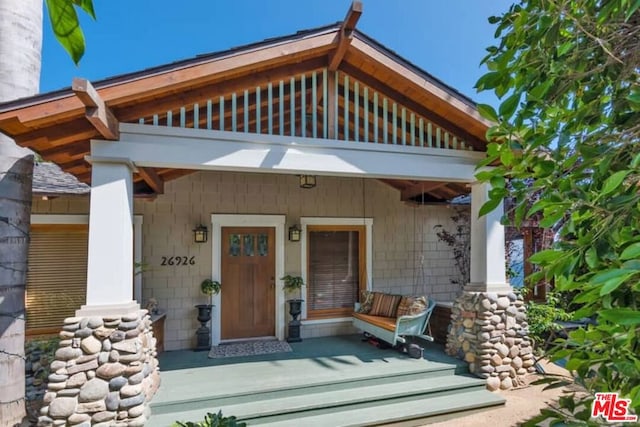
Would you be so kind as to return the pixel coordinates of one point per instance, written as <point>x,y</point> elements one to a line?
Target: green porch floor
<point>322,368</point>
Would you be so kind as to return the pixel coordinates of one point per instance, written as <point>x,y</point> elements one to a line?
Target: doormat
<point>250,348</point>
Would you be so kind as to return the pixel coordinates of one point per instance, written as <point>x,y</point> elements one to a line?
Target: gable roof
<point>58,125</point>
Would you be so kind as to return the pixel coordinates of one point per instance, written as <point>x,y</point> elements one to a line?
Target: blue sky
<point>445,38</point>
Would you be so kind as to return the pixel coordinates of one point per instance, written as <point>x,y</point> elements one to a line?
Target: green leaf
<point>66,27</point>
<point>489,80</point>
<point>613,284</point>
<point>488,112</point>
<point>544,256</point>
<point>497,181</point>
<point>621,316</point>
<point>634,98</point>
<point>591,257</point>
<point>485,175</point>
<point>490,205</point>
<point>607,275</point>
<point>508,106</point>
<point>552,218</point>
<point>564,48</point>
<point>632,9</point>
<point>573,364</point>
<point>630,252</point>
<point>538,206</point>
<point>87,6</point>
<point>613,182</point>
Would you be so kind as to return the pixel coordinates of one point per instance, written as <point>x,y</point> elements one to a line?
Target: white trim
<point>112,160</point>
<point>59,219</point>
<point>232,220</point>
<point>326,321</point>
<point>203,149</point>
<point>306,221</point>
<point>137,258</point>
<point>487,270</point>
<point>141,133</point>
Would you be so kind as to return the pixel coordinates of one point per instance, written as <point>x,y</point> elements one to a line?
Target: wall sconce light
<point>294,233</point>
<point>200,234</point>
<point>307,181</point>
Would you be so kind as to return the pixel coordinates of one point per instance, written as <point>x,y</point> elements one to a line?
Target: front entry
<point>248,277</point>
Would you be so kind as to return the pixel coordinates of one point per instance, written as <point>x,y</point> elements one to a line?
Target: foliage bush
<point>542,318</point>
<point>212,420</point>
<point>567,139</point>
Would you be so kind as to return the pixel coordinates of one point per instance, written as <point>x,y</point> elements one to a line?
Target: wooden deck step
<point>197,389</point>
<point>327,382</point>
<point>390,411</point>
<point>317,402</point>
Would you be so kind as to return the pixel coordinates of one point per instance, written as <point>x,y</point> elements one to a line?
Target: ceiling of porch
<point>329,83</point>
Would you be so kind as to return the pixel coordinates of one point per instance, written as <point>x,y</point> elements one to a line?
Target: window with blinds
<point>57,277</point>
<point>336,266</point>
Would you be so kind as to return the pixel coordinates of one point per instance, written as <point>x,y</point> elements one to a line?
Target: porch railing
<point>318,104</point>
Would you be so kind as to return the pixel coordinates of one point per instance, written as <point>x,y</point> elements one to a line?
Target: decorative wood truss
<point>330,83</point>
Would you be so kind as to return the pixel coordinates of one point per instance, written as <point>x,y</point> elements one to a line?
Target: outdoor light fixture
<point>307,181</point>
<point>200,234</point>
<point>294,233</point>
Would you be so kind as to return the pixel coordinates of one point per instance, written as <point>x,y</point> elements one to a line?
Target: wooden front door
<point>248,282</point>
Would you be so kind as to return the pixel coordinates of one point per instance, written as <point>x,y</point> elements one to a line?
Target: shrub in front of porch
<point>212,420</point>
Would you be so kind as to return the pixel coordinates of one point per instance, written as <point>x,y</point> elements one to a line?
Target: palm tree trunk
<point>20,50</point>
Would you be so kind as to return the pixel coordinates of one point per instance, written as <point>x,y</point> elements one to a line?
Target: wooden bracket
<point>96,111</point>
<point>153,180</point>
<point>345,35</point>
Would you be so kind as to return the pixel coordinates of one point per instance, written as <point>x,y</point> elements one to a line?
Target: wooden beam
<point>443,100</point>
<point>96,111</point>
<point>152,179</point>
<point>345,35</point>
<point>420,188</point>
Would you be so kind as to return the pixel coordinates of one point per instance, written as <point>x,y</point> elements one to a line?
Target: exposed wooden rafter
<point>345,35</point>
<point>420,188</point>
<point>153,180</point>
<point>96,111</point>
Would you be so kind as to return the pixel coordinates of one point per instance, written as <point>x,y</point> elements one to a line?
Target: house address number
<point>178,260</point>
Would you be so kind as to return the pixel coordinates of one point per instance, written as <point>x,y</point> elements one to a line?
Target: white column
<point>110,264</point>
<point>137,258</point>
<point>488,271</point>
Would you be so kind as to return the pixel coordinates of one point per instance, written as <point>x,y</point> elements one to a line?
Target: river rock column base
<point>489,331</point>
<point>105,372</point>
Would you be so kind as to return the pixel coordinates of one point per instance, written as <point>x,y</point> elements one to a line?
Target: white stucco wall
<point>407,256</point>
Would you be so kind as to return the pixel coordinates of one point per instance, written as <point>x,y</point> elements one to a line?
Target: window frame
<point>364,226</point>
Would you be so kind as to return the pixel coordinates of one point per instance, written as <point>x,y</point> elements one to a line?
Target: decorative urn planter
<point>208,287</point>
<point>204,333</point>
<point>291,284</point>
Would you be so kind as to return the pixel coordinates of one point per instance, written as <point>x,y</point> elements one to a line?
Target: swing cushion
<point>388,323</point>
<point>366,301</point>
<point>385,305</point>
<point>410,306</point>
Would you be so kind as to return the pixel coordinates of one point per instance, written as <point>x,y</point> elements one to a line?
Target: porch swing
<point>398,330</point>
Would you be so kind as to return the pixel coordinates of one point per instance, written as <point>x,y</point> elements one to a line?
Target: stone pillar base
<point>105,371</point>
<point>489,331</point>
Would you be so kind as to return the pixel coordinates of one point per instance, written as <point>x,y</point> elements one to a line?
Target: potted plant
<point>208,287</point>
<point>291,284</point>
